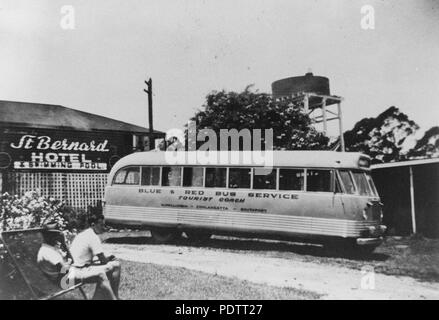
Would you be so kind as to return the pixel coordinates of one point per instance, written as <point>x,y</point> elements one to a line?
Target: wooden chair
<point>23,247</point>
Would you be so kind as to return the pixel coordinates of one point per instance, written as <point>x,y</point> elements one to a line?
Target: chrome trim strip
<point>239,220</point>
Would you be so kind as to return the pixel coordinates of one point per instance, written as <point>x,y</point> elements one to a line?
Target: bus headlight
<point>373,231</point>
<point>376,231</point>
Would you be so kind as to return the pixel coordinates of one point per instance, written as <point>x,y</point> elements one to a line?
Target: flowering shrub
<point>33,210</point>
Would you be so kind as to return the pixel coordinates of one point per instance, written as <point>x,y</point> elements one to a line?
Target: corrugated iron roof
<point>37,115</point>
<point>407,163</point>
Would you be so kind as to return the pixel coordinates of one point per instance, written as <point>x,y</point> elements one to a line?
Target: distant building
<point>64,152</point>
<point>410,193</point>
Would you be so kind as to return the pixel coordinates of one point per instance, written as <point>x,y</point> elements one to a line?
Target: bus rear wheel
<point>198,236</point>
<point>164,235</point>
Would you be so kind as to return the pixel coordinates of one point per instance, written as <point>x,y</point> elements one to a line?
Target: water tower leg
<point>340,125</point>
<point>325,125</point>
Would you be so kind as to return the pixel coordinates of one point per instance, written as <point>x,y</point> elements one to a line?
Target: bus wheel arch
<point>164,235</point>
<point>198,236</point>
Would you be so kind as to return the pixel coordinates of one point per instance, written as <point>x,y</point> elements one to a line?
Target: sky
<point>191,47</point>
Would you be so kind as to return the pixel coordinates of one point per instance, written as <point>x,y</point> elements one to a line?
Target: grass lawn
<point>401,256</point>
<point>141,281</point>
<point>150,281</point>
<point>407,256</point>
<point>413,256</point>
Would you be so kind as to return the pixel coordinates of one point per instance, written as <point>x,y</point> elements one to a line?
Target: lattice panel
<point>78,190</point>
<point>85,189</point>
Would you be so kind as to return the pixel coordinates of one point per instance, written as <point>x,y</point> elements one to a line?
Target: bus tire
<point>344,247</point>
<point>365,249</point>
<point>358,250</point>
<point>349,247</point>
<point>164,235</point>
<point>198,236</point>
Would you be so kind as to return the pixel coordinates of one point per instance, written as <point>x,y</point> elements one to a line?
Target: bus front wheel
<point>349,247</point>
<point>365,249</point>
<point>164,235</point>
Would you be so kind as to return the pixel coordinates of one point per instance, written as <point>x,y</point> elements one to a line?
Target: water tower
<point>313,94</point>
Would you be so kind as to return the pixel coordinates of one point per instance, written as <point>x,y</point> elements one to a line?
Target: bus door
<point>325,201</point>
<point>338,198</point>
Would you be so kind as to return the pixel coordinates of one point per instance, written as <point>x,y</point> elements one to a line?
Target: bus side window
<point>150,176</point>
<point>171,176</point>
<point>291,179</point>
<point>264,181</point>
<point>120,176</point>
<point>318,180</point>
<point>239,178</point>
<point>193,177</point>
<point>216,177</point>
<point>347,181</point>
<point>129,175</point>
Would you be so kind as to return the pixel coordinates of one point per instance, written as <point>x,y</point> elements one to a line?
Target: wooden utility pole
<point>151,128</point>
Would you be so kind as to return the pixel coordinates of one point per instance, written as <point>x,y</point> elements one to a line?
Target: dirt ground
<point>382,275</point>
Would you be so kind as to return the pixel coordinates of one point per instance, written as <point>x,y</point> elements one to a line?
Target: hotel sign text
<point>48,153</point>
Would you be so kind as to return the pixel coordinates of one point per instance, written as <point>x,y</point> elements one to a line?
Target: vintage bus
<point>316,196</point>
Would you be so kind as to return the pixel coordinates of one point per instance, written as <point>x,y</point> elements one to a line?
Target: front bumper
<point>369,241</point>
<point>376,231</point>
<point>373,236</point>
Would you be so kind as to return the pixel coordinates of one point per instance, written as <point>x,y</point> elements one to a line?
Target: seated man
<point>85,247</point>
<point>54,263</point>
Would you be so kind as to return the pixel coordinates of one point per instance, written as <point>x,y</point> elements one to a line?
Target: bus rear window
<point>171,176</point>
<point>362,184</point>
<point>216,177</point>
<point>193,177</point>
<point>239,178</point>
<point>264,181</point>
<point>318,180</point>
<point>129,176</point>
<point>291,179</point>
<point>150,176</point>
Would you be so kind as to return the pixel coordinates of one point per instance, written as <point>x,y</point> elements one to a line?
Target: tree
<point>292,127</point>
<point>383,137</point>
<point>427,146</point>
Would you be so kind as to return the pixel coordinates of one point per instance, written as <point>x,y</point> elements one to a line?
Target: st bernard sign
<point>45,152</point>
